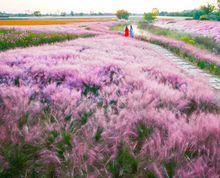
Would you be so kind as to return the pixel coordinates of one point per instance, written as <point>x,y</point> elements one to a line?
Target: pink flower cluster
<point>78,28</point>
<point>205,28</point>
<point>80,100</point>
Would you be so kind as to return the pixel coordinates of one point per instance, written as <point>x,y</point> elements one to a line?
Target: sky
<point>134,6</point>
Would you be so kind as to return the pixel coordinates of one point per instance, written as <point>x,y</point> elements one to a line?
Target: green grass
<point>125,164</point>
<point>199,41</point>
<point>11,38</point>
<point>119,27</point>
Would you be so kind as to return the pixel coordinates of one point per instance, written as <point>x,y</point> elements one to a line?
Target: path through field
<point>190,69</point>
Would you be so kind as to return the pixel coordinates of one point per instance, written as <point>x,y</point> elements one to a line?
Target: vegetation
<point>199,41</point>
<point>37,13</point>
<point>78,110</point>
<point>119,27</point>
<point>125,164</point>
<point>155,11</point>
<point>151,16</point>
<point>12,38</point>
<point>205,12</point>
<point>185,13</point>
<point>51,21</point>
<point>122,14</point>
<point>207,9</point>
<point>209,67</point>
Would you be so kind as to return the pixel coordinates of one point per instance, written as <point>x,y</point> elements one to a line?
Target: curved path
<point>183,64</point>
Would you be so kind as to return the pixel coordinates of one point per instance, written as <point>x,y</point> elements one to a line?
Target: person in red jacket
<point>126,31</point>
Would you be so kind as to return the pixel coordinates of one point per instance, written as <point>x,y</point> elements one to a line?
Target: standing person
<point>126,31</point>
<point>131,32</point>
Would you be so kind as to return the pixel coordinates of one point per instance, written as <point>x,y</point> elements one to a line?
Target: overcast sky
<point>135,6</point>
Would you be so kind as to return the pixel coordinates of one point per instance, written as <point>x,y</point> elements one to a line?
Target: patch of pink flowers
<point>205,28</point>
<point>78,28</point>
<point>107,106</point>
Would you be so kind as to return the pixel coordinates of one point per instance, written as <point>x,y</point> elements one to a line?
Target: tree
<point>122,14</point>
<point>37,13</point>
<point>155,11</point>
<point>149,17</point>
<point>197,14</point>
<point>218,4</point>
<point>72,13</point>
<point>207,9</point>
<point>63,13</point>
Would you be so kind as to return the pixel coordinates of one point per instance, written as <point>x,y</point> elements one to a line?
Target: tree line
<point>39,13</point>
<point>204,12</point>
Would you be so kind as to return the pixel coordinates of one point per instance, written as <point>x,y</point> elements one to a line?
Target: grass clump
<point>169,168</point>
<point>125,164</point>
<point>20,159</point>
<point>144,131</point>
<point>98,134</point>
<point>90,89</point>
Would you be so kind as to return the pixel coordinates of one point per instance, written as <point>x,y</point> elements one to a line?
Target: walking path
<point>190,69</point>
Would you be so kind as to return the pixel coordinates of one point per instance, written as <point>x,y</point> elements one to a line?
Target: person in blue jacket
<point>131,32</point>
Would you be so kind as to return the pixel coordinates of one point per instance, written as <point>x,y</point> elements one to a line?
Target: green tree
<point>149,17</point>
<point>37,13</point>
<point>122,14</point>
<point>63,14</point>
<point>218,4</point>
<point>207,9</point>
<point>72,13</point>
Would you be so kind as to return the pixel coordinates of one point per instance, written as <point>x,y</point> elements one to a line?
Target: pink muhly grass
<point>107,106</point>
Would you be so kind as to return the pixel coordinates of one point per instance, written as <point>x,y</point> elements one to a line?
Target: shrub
<point>122,14</point>
<point>37,13</point>
<point>188,40</point>
<point>197,14</point>
<point>149,17</point>
<point>214,16</point>
<point>155,11</point>
<point>203,17</point>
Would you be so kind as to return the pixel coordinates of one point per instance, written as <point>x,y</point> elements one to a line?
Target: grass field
<point>52,21</point>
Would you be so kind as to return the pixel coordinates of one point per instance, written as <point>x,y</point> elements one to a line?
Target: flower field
<point>37,22</point>
<point>105,106</point>
<point>205,28</point>
<point>10,38</point>
<point>78,28</point>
